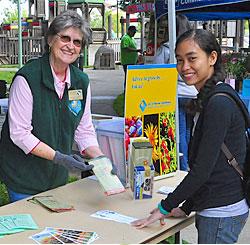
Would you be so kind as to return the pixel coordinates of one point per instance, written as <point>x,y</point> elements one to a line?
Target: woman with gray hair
<point>49,109</point>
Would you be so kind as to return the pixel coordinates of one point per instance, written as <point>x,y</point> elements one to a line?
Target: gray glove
<point>71,162</point>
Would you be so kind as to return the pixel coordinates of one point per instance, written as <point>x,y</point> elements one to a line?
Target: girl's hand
<point>177,213</point>
<point>154,216</point>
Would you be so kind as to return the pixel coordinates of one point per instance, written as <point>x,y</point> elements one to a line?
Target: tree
<point>124,3</point>
<point>96,20</point>
<point>16,1</point>
<point>11,15</point>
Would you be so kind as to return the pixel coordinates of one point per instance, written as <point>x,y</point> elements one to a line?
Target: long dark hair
<point>208,43</point>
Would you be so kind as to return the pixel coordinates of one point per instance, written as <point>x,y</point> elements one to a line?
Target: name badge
<point>75,94</point>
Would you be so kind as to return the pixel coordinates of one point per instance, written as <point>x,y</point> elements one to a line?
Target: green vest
<point>54,122</point>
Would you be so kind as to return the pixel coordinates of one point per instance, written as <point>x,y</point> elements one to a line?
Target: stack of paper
<point>10,224</point>
<point>62,235</point>
<point>166,190</point>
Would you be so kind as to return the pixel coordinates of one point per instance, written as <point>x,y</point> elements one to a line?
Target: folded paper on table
<point>102,169</point>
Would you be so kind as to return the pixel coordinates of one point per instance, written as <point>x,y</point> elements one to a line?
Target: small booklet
<point>102,170</point>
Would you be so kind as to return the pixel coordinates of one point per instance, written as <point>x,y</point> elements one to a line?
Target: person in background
<point>212,187</point>
<point>129,51</point>
<point>185,93</point>
<point>49,109</point>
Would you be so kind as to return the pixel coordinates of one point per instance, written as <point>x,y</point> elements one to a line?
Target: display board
<point>150,103</point>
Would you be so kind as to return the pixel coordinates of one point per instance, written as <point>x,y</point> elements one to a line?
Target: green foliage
<point>4,198</point>
<point>235,65</point>
<point>72,179</point>
<point>11,15</point>
<point>119,105</point>
<point>7,76</point>
<point>21,1</point>
<point>96,20</point>
<point>124,3</point>
<point>171,240</point>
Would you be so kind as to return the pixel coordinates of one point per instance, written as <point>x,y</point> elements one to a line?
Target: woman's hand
<point>154,216</point>
<point>177,213</point>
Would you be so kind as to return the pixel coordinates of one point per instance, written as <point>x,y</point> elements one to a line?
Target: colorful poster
<point>150,102</point>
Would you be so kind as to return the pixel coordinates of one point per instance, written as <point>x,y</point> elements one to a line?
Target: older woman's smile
<point>64,51</point>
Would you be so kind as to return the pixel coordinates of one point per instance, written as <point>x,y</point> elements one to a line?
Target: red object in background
<point>130,20</point>
<point>150,49</point>
<point>35,23</point>
<point>6,27</point>
<point>24,33</point>
<point>138,8</point>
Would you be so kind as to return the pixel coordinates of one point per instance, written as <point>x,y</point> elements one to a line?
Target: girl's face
<point>193,64</point>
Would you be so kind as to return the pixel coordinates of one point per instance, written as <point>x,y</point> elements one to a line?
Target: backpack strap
<point>230,158</point>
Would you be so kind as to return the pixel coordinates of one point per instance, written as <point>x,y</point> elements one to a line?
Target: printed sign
<point>150,102</point>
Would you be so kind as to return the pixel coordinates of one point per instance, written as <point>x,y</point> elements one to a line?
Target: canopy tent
<point>205,16</point>
<point>203,10</point>
<point>207,9</point>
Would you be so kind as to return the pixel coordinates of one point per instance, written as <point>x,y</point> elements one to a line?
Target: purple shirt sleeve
<point>20,117</point>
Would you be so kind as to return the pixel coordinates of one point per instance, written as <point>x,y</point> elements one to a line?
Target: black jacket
<point>211,181</point>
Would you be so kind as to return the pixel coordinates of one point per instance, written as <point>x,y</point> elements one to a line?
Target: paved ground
<point>105,86</point>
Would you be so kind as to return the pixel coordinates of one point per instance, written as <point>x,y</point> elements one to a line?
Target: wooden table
<point>87,197</point>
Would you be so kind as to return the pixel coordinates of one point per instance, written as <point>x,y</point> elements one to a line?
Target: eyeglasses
<point>67,39</point>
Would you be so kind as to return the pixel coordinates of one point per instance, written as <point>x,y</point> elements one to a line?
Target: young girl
<point>212,188</point>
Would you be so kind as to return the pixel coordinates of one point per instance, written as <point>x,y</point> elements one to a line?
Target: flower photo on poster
<point>168,158</point>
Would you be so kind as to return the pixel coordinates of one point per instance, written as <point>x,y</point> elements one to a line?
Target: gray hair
<point>67,19</point>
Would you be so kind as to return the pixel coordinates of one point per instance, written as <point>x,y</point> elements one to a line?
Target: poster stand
<point>150,111</point>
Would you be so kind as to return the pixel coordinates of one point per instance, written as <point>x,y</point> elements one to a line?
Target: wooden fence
<point>34,47</point>
<point>31,47</point>
<point>115,45</point>
<point>3,49</point>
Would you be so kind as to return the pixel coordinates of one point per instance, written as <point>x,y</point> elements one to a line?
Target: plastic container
<point>3,106</point>
<point>246,88</point>
<point>110,135</point>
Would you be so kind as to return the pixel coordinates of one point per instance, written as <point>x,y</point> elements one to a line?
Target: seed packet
<point>52,204</point>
